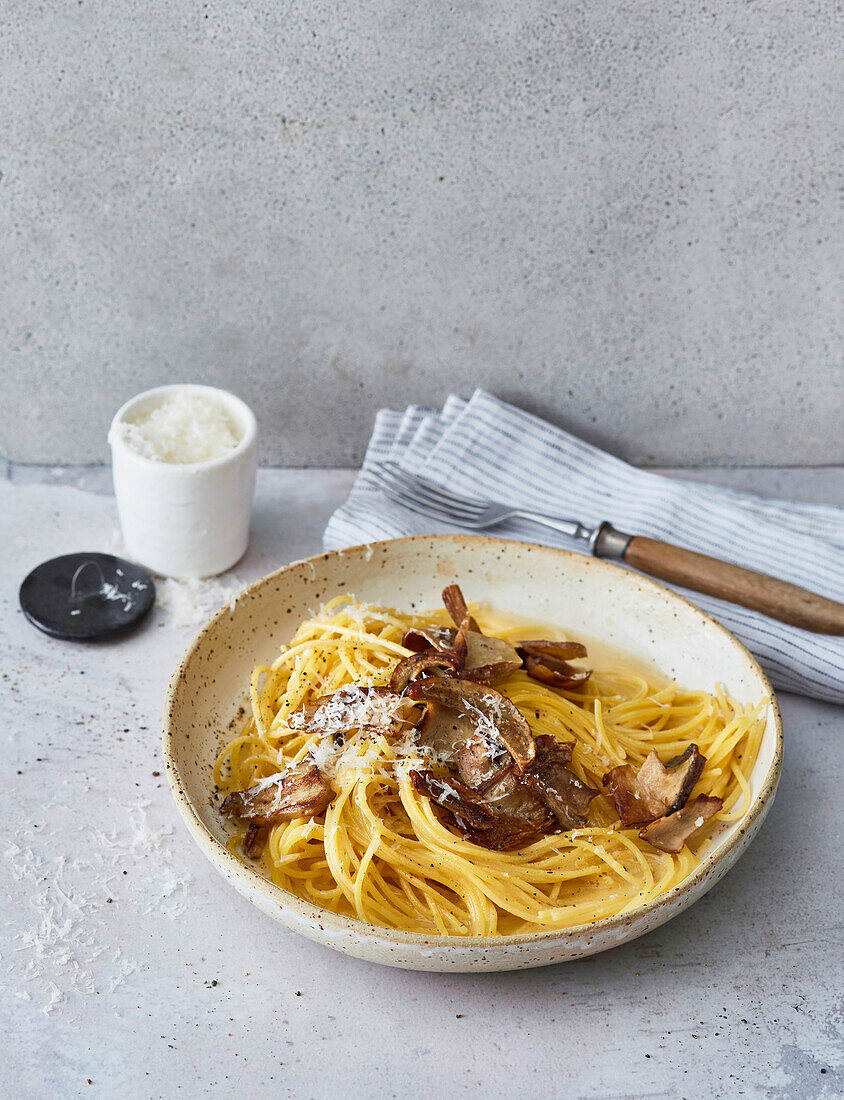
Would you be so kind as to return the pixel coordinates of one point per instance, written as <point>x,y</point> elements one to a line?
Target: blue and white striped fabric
<point>487,449</point>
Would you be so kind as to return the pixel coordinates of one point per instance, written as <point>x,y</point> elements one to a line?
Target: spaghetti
<point>381,851</point>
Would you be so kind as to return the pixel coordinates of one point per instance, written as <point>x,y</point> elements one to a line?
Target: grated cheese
<point>184,428</point>
<point>190,602</point>
<point>357,613</point>
<point>348,710</point>
<point>351,708</point>
<point>68,939</point>
<point>360,754</point>
<point>111,592</point>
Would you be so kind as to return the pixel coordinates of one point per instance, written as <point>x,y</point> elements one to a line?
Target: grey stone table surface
<point>130,968</point>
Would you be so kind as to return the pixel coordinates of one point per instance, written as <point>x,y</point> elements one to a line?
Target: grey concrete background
<point>619,215</point>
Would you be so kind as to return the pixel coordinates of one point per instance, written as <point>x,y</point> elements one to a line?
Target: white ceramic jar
<point>185,519</point>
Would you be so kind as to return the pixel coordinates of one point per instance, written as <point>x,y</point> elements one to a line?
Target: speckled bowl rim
<point>281,899</point>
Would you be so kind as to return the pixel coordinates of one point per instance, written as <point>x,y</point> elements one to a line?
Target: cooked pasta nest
<point>381,852</point>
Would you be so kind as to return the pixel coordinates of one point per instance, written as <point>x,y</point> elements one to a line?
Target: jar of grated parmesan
<point>184,463</point>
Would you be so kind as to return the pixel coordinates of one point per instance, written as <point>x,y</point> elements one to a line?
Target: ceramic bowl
<point>586,597</point>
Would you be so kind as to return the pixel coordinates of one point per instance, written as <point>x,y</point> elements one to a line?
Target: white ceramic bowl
<point>207,697</point>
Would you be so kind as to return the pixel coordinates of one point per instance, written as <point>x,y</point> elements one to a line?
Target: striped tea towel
<point>487,449</point>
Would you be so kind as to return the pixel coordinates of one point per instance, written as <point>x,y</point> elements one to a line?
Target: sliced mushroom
<point>494,715</point>
<point>509,794</point>
<point>469,812</point>
<point>253,842</point>
<point>435,637</point>
<point>250,840</point>
<point>656,789</point>
<point>460,647</point>
<point>298,791</point>
<point>558,651</point>
<point>555,674</point>
<point>488,659</point>
<point>480,761</point>
<point>490,771</point>
<point>445,730</point>
<point>671,832</point>
<point>480,657</point>
<point>467,805</point>
<point>562,792</point>
<point>429,660</point>
<point>548,662</point>
<point>455,605</point>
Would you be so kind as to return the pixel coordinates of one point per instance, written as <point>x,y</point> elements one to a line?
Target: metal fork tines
<point>429,499</point>
<point>426,498</point>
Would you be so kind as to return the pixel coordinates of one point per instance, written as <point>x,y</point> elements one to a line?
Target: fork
<point>780,600</point>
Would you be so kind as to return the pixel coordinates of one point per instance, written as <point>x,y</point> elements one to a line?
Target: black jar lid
<point>87,597</point>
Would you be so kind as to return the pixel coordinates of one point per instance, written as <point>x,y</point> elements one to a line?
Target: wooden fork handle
<point>778,599</point>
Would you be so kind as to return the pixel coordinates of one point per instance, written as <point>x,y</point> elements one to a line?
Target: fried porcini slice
<point>444,730</point>
<point>546,797</point>
<point>671,832</point>
<point>429,637</point>
<point>251,841</point>
<point>428,660</point>
<point>467,805</point>
<point>480,657</point>
<point>657,789</point>
<point>559,788</point>
<point>455,605</point>
<point>554,674</point>
<point>508,794</point>
<point>491,712</point>
<point>489,770</point>
<point>298,791</point>
<point>470,813</point>
<point>480,761</point>
<point>558,651</point>
<point>487,659</point>
<point>548,662</point>
<point>546,785</point>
